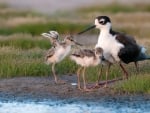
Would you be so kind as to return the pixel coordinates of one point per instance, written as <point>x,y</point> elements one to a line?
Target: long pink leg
<point>136,66</point>
<point>107,72</point>
<point>99,75</point>
<point>84,81</point>
<point>124,70</point>
<point>98,78</point>
<point>54,74</point>
<point>78,77</point>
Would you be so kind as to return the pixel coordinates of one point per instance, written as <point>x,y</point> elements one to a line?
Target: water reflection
<point>104,105</point>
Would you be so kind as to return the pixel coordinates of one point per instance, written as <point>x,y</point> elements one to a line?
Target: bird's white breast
<point>110,46</point>
<point>62,52</point>
<point>59,54</point>
<point>86,61</point>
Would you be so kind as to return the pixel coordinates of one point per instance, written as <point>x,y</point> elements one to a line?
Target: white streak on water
<point>60,107</point>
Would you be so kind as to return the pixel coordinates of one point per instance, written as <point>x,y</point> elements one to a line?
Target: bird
<point>56,54</point>
<point>117,47</point>
<point>86,58</point>
<point>53,36</point>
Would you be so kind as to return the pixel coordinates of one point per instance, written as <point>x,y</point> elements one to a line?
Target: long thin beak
<point>78,43</point>
<point>87,29</point>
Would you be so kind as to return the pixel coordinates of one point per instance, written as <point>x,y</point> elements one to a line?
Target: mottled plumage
<point>84,52</point>
<point>86,58</point>
<point>49,53</point>
<point>58,52</point>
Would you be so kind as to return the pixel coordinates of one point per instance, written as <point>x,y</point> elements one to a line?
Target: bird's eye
<point>101,22</point>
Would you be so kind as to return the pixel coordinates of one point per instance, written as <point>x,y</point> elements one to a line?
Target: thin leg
<point>124,70</point>
<point>137,66</point>
<point>54,74</point>
<point>78,77</point>
<point>107,72</point>
<point>83,75</point>
<point>99,75</point>
<point>84,80</point>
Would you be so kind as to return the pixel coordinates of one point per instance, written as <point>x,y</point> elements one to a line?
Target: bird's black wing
<point>131,49</point>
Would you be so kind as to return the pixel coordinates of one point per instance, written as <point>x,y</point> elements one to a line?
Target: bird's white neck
<point>104,33</point>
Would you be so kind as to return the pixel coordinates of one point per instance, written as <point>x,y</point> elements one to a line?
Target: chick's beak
<point>78,44</point>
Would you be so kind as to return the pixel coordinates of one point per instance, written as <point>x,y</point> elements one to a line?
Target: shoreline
<point>39,88</point>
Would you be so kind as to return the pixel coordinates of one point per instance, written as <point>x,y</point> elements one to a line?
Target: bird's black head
<point>101,22</point>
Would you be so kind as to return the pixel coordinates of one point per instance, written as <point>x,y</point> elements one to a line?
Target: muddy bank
<point>44,87</point>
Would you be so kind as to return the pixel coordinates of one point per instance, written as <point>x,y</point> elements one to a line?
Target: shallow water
<point>136,104</point>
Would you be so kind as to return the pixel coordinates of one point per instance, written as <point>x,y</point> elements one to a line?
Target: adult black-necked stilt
<point>117,47</point>
<point>58,53</point>
<point>86,58</point>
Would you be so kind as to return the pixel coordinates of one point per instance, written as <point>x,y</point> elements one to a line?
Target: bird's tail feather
<point>143,56</point>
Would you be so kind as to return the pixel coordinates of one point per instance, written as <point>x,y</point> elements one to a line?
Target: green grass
<point>24,41</point>
<point>30,62</point>
<point>38,28</point>
<point>116,8</point>
<point>17,62</point>
<point>135,84</point>
<point>65,28</point>
<point>92,73</point>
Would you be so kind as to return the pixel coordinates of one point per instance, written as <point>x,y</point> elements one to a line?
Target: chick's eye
<point>71,39</point>
<point>97,52</point>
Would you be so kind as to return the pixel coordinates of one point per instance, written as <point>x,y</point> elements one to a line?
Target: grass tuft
<point>135,84</point>
<point>38,28</point>
<point>24,41</point>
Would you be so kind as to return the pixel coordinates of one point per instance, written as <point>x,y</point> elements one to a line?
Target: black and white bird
<point>58,53</point>
<point>86,58</point>
<point>117,47</point>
